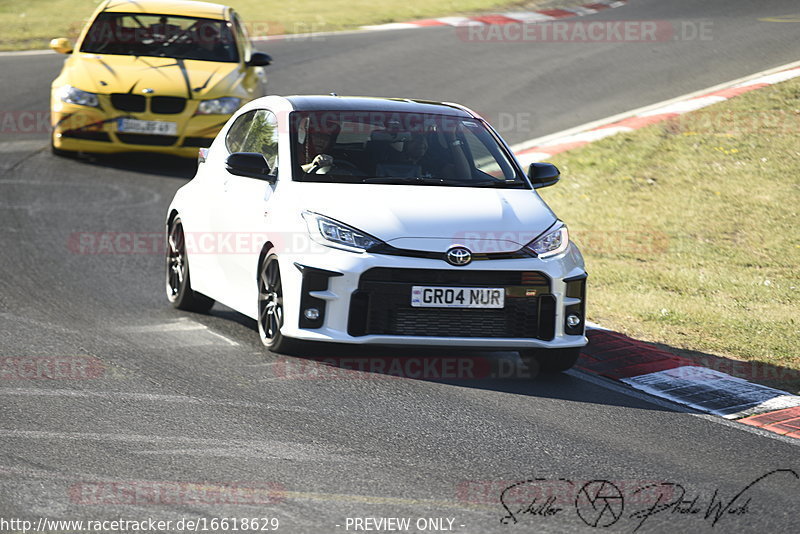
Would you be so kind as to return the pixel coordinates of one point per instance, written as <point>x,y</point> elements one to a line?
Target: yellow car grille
<point>139,103</point>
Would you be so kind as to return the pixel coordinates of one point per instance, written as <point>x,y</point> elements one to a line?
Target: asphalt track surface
<point>183,398</point>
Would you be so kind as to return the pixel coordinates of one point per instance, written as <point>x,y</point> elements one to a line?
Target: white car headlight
<point>73,95</point>
<point>335,234</point>
<point>552,243</point>
<point>219,106</point>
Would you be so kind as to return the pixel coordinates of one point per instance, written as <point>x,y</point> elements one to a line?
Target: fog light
<point>573,320</point>
<point>312,314</point>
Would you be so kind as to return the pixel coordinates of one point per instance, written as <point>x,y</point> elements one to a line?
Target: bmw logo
<point>459,256</point>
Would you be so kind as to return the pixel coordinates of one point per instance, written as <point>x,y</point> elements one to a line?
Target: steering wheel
<point>346,165</point>
<point>340,164</point>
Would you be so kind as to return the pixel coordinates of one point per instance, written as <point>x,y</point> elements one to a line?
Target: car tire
<point>178,281</point>
<point>549,360</point>
<point>270,309</point>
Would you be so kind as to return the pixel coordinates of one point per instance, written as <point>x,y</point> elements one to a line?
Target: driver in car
<point>162,31</point>
<point>316,143</point>
<point>207,39</point>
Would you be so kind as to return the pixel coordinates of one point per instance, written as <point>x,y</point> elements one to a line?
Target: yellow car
<point>153,76</point>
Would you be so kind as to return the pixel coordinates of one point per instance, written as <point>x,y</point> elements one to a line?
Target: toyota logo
<point>459,256</point>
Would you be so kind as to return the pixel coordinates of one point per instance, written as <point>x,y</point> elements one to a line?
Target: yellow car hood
<point>188,78</point>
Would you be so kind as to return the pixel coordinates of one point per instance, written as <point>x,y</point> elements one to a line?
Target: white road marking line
<point>264,364</point>
<point>685,106</point>
<point>126,438</point>
<point>181,325</point>
<point>460,21</point>
<point>528,17</point>
<point>580,10</point>
<point>147,397</point>
<point>73,476</point>
<point>389,26</point>
<point>739,82</point>
<point>773,78</point>
<point>224,338</point>
<point>21,53</point>
<point>590,136</point>
<point>177,326</point>
<point>309,35</point>
<point>265,449</point>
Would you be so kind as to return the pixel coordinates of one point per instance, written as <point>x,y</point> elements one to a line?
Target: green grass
<point>31,24</point>
<point>690,227</point>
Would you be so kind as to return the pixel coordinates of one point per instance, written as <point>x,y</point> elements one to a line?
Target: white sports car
<point>376,221</point>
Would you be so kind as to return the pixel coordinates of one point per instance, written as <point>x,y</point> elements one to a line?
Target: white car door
<point>199,226</point>
<point>242,209</point>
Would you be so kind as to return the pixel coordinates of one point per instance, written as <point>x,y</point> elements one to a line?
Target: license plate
<point>457,297</point>
<point>147,127</point>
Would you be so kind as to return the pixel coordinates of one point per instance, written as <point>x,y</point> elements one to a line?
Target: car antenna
<point>334,94</point>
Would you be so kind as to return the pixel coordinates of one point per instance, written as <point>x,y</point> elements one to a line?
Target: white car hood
<point>434,218</point>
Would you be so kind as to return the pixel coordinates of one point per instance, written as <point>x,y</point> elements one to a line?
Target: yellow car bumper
<point>99,130</point>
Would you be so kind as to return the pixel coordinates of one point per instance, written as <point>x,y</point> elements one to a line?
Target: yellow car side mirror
<point>61,45</point>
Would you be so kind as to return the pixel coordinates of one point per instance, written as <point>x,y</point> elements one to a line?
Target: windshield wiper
<point>440,181</point>
<point>405,180</point>
<point>494,183</point>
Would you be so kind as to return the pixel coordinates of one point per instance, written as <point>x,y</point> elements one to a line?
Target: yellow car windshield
<point>161,36</point>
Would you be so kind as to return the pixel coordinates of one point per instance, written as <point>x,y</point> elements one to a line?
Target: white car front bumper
<point>329,281</point>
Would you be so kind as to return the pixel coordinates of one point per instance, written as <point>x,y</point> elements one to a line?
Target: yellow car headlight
<point>219,106</point>
<point>73,95</point>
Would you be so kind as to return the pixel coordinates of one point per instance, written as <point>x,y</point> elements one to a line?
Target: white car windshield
<point>161,36</point>
<point>399,148</point>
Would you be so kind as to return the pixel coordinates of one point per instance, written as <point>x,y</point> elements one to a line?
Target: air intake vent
<point>167,104</point>
<point>128,102</point>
